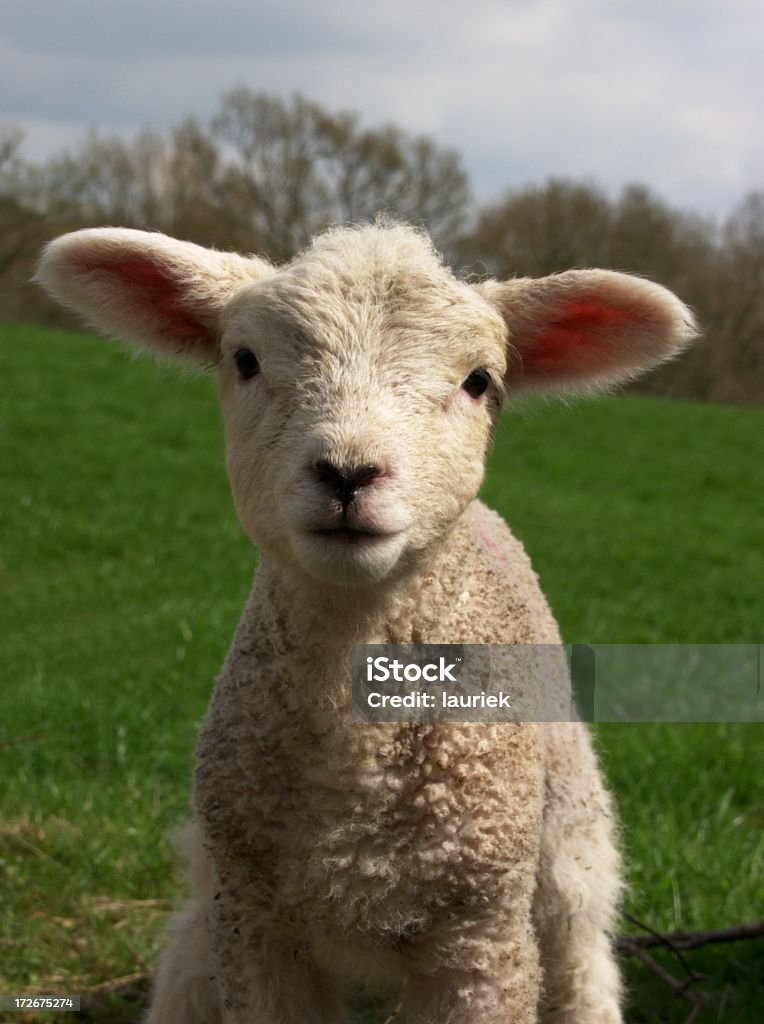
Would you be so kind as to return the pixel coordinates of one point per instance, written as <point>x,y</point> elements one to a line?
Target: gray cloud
<point>665,93</point>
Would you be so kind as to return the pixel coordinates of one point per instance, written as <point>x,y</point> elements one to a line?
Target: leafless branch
<point>690,940</point>
<point>675,942</point>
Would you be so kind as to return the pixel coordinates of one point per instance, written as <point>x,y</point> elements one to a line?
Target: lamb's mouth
<point>345,553</point>
<point>353,534</point>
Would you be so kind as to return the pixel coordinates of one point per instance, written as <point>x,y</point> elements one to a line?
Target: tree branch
<point>688,940</point>
<point>675,942</point>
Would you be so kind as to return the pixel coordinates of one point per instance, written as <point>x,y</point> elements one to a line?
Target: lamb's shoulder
<point>502,601</point>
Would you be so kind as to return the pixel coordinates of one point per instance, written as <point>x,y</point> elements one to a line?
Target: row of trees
<point>264,175</point>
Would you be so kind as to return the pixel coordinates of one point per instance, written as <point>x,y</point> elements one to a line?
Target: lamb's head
<point>361,382</point>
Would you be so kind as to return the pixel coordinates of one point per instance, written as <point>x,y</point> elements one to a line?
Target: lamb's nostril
<point>363,475</point>
<point>327,472</point>
<point>345,481</point>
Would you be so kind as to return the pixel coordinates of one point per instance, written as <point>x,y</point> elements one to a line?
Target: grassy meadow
<point>123,573</point>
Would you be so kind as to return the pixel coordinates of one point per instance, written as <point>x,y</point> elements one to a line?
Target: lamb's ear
<point>146,288</point>
<point>584,330</point>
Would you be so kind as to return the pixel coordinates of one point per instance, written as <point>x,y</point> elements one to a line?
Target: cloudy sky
<point>667,92</point>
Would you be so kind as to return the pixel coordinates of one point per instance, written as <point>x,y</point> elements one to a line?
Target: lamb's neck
<point>414,608</point>
<point>293,647</point>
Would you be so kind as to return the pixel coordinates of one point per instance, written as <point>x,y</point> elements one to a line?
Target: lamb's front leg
<point>486,973</point>
<point>264,973</point>
<point>579,888</point>
<point>227,962</point>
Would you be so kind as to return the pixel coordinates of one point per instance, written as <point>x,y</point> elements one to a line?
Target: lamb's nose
<point>345,481</point>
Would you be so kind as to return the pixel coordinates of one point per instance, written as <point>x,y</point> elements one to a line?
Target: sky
<point>664,92</point>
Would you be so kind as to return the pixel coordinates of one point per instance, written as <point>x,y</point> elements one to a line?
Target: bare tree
<point>15,222</point>
<point>22,232</point>
<point>11,137</point>
<point>542,229</point>
<point>739,299</point>
<point>195,202</point>
<point>105,180</point>
<point>296,168</point>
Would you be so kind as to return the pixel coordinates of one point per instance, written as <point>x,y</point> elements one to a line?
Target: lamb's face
<point>360,384</point>
<point>359,395</point>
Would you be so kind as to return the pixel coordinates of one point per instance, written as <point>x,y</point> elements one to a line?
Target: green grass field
<point>123,572</point>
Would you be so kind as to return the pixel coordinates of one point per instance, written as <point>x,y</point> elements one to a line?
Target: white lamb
<point>472,867</point>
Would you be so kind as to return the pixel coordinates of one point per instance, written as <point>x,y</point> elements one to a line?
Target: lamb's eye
<point>246,363</point>
<point>477,383</point>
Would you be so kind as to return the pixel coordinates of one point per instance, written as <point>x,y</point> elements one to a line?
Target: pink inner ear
<point>157,290</point>
<point>577,339</point>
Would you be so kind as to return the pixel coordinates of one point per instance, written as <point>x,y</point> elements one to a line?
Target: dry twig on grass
<point>676,942</point>
<point>691,940</point>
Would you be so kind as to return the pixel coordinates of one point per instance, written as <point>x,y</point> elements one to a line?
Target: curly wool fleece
<point>471,867</point>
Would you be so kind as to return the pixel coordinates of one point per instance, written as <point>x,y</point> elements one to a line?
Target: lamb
<point>472,868</point>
